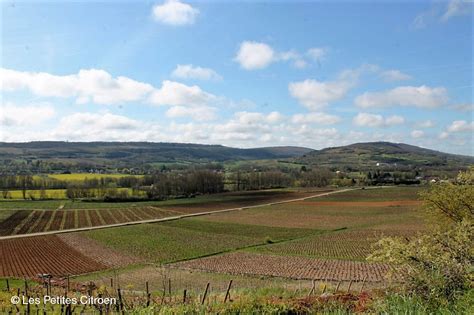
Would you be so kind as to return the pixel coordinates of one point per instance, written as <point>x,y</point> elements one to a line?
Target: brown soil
<point>96,251</point>
<point>29,256</point>
<point>289,267</point>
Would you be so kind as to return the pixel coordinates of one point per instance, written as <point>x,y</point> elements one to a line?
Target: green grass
<point>186,239</point>
<point>375,194</point>
<point>82,176</point>
<point>14,283</point>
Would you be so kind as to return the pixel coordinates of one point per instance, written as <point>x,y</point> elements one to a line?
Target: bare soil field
<point>242,263</point>
<point>96,251</point>
<point>29,256</point>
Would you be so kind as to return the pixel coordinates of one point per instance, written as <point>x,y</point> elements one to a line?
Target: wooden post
<point>148,295</point>
<point>349,288</point>
<point>205,293</point>
<point>26,287</point>
<point>120,299</point>
<point>337,287</point>
<point>184,296</point>
<point>324,288</point>
<point>8,284</point>
<point>363,283</point>
<point>112,283</point>
<point>67,283</point>
<point>169,288</point>
<point>313,287</point>
<point>227,294</point>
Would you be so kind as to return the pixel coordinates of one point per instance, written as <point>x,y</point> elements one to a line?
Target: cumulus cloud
<point>316,118</point>
<point>178,94</point>
<point>98,126</point>
<point>374,120</point>
<point>417,134</point>
<point>202,113</point>
<point>93,85</point>
<point>422,96</point>
<point>194,72</point>
<point>394,75</point>
<point>174,12</point>
<point>254,55</point>
<point>12,115</point>
<point>461,126</point>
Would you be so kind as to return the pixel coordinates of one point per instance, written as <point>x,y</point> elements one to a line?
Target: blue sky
<point>243,74</point>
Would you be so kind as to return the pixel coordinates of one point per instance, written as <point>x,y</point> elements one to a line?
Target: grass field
<point>82,176</point>
<point>186,239</point>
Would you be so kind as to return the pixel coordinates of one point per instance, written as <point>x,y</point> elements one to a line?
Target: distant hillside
<point>131,153</point>
<point>363,156</point>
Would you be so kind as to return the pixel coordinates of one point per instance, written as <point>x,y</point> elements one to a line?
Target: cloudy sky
<point>243,74</point>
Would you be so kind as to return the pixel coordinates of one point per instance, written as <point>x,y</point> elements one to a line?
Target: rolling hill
<point>126,154</point>
<point>362,156</point>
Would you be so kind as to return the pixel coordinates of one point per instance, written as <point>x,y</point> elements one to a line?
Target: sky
<point>243,74</point>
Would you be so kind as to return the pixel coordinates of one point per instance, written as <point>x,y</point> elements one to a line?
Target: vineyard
<point>242,263</point>
<point>35,221</point>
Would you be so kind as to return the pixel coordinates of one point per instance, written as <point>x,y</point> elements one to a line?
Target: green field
<point>388,193</point>
<point>82,176</point>
<point>290,229</point>
<point>187,239</point>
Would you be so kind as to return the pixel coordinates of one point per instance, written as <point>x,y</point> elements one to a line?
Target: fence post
<point>205,293</point>
<point>313,286</point>
<point>363,283</point>
<point>337,287</point>
<point>227,294</point>
<point>349,288</point>
<point>184,296</point>
<point>8,284</point>
<point>148,295</point>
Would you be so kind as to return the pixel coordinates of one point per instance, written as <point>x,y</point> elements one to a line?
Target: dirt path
<point>177,217</point>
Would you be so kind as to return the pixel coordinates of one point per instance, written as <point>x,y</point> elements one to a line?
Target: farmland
<point>323,238</point>
<point>21,217</point>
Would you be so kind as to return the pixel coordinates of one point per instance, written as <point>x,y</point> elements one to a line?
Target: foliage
<point>437,267</point>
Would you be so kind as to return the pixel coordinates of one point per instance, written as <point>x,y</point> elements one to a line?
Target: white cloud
<point>417,134</point>
<point>178,94</point>
<point>254,55</point>
<point>315,95</point>
<point>203,113</point>
<point>461,126</point>
<point>317,53</point>
<point>422,96</point>
<point>192,72</point>
<point>374,120</point>
<point>464,107</point>
<point>394,75</point>
<point>315,117</point>
<point>457,8</point>
<point>175,12</point>
<point>99,126</point>
<point>426,124</point>
<point>12,115</point>
<point>93,85</point>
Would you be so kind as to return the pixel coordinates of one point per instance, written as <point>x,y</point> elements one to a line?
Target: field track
<point>171,218</point>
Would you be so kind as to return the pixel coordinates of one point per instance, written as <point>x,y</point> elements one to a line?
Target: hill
<point>363,156</point>
<point>134,154</point>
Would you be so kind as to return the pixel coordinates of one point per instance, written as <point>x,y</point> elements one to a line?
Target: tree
<point>437,266</point>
